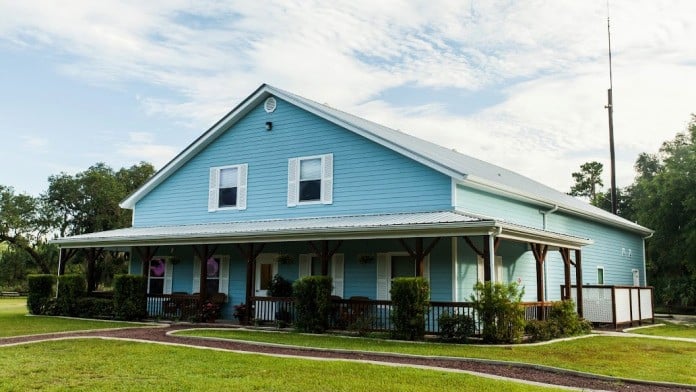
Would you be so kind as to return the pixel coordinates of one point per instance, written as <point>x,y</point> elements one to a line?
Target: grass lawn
<point>669,329</point>
<point>646,359</point>
<point>14,321</point>
<point>81,365</point>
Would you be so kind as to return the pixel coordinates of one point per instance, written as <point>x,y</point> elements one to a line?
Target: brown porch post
<point>250,255</point>
<point>92,255</point>
<point>565,254</point>
<point>420,254</point>
<point>420,258</point>
<point>204,254</point>
<point>539,252</point>
<point>324,258</point>
<point>578,280</point>
<point>486,260</point>
<point>146,253</point>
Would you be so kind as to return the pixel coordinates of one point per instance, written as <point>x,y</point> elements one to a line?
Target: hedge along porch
<point>361,253</point>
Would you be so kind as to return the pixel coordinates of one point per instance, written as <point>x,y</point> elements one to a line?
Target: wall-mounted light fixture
<point>269,125</point>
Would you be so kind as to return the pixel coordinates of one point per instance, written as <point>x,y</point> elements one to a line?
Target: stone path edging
<point>554,369</point>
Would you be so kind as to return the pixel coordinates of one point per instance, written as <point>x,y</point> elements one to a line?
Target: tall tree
<point>588,181</point>
<point>664,198</point>
<point>25,225</point>
<point>88,201</point>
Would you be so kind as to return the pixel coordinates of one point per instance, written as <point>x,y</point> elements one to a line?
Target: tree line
<point>73,204</point>
<point>662,197</point>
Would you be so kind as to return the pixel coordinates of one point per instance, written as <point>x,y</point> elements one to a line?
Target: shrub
<point>40,290</point>
<point>130,297</point>
<point>280,287</point>
<point>498,306</point>
<point>70,289</point>
<point>410,298</point>
<point>563,321</point>
<point>89,307</point>
<point>456,328</point>
<point>312,303</point>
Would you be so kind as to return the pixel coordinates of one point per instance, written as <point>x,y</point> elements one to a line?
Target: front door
<point>266,268</point>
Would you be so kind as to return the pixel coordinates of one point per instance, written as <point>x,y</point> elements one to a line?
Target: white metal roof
<point>422,224</point>
<point>462,168</point>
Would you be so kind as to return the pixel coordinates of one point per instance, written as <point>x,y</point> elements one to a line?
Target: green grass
<point>669,329</point>
<point>646,359</point>
<point>14,321</point>
<point>80,365</point>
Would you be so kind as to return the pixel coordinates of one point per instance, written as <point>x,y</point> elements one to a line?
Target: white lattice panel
<point>623,305</point>
<point>596,303</point>
<point>646,310</point>
<point>635,304</point>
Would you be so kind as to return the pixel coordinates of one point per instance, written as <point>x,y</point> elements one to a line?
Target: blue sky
<point>520,84</point>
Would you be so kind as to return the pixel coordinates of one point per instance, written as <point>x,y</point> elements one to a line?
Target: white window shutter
<point>196,284</point>
<point>242,187</point>
<point>499,269</point>
<point>213,193</point>
<point>305,265</point>
<point>383,276</point>
<point>168,272</point>
<point>426,268</point>
<point>327,179</point>
<point>224,282</point>
<point>479,269</point>
<point>293,182</point>
<point>337,274</point>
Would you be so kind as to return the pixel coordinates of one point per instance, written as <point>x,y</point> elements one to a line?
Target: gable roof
<point>461,168</point>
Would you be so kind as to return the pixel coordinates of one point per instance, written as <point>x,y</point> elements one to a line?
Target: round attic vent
<point>270,105</point>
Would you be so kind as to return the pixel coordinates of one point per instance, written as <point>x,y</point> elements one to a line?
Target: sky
<point>521,84</point>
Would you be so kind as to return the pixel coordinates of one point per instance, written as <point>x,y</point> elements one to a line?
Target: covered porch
<point>362,253</point>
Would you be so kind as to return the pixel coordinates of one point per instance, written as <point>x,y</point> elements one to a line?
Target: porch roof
<point>396,225</point>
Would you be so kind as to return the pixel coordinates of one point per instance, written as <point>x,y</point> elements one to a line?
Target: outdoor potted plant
<point>284,258</point>
<point>241,314</point>
<point>209,312</point>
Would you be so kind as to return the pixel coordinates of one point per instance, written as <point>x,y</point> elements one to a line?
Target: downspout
<point>546,270</point>
<point>491,245</point>
<point>60,262</point>
<point>645,258</point>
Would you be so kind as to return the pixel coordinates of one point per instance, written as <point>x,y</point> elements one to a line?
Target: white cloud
<point>548,58</point>
<point>141,146</point>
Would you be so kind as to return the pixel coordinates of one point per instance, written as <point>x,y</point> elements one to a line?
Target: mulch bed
<point>521,372</point>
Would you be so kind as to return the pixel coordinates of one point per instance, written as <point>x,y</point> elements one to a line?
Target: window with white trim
<point>228,187</point>
<point>217,277</point>
<point>159,276</point>
<point>310,180</point>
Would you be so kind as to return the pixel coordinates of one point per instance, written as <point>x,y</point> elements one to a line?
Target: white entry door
<point>266,268</point>
<point>636,277</point>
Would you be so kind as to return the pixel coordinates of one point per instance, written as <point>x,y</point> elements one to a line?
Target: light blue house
<point>339,195</point>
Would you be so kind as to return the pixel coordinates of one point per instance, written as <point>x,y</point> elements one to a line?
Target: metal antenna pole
<point>610,108</point>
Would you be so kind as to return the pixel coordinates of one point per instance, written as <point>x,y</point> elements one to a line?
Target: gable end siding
<point>368,178</point>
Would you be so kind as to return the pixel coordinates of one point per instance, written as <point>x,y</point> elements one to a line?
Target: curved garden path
<point>514,371</point>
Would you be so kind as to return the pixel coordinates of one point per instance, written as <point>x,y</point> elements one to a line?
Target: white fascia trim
<point>195,147</point>
<point>479,183</point>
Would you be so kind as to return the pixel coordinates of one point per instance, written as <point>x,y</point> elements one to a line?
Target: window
<point>310,264</point>
<point>227,188</point>
<point>212,281</point>
<point>217,275</point>
<point>310,180</point>
<point>600,275</point>
<point>403,267</point>
<point>393,265</point>
<point>159,276</point>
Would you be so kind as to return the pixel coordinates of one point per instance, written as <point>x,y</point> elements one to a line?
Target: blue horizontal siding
<point>509,210</point>
<point>368,178</point>
<point>606,250</point>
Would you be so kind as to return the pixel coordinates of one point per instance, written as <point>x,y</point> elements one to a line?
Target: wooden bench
<point>9,294</point>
